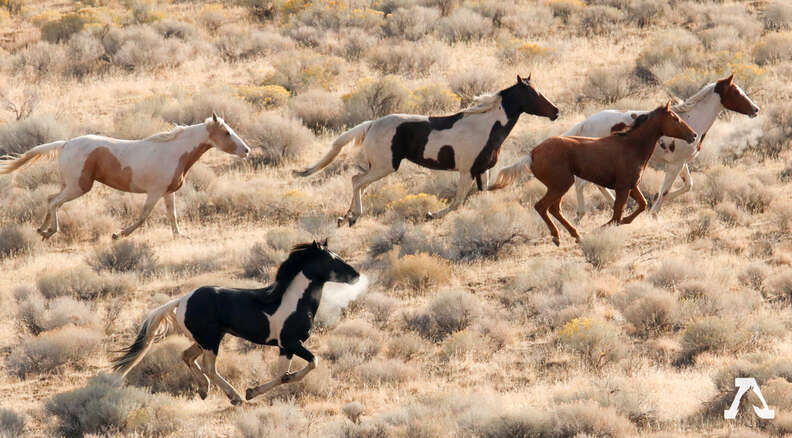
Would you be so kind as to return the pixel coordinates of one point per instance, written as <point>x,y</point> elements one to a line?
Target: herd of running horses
<point>610,148</point>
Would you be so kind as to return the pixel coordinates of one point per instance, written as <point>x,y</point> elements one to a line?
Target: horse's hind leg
<point>636,194</point>
<point>307,356</point>
<point>151,201</point>
<point>50,225</point>
<point>284,363</point>
<point>541,207</point>
<point>209,359</point>
<point>359,183</point>
<point>463,187</point>
<point>189,356</point>
<point>580,185</point>
<point>170,207</point>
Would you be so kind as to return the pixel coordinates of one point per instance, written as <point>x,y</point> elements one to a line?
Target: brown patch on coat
<point>101,165</point>
<point>732,99</point>
<point>185,163</point>
<point>634,116</point>
<point>619,127</point>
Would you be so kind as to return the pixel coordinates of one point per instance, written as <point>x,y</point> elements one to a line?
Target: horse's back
<point>604,123</point>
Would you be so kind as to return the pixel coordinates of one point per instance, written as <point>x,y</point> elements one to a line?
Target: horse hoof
<point>352,221</point>
<point>236,401</point>
<point>116,236</point>
<point>249,394</point>
<point>340,221</point>
<point>429,215</point>
<point>557,241</point>
<point>202,394</point>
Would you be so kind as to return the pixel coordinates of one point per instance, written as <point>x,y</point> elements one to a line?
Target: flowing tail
<point>358,133</point>
<point>151,331</point>
<point>508,174</point>
<point>10,163</point>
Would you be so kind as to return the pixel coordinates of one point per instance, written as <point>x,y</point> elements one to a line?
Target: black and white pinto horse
<point>280,314</point>
<point>468,142</point>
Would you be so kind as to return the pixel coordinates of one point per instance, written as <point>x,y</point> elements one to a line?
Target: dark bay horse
<point>280,315</point>
<point>616,162</point>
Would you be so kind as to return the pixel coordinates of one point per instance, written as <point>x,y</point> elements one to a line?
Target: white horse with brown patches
<point>155,166</point>
<point>699,111</point>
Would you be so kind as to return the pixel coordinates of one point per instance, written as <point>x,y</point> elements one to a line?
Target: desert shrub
<point>38,315</point>
<point>163,370</point>
<point>374,98</point>
<point>17,137</point>
<point>384,371</point>
<point>418,271</point>
<point>105,404</point>
<point>415,207</point>
<point>83,54</point>
<point>688,81</point>
<point>17,240</point>
<point>194,109</point>
<point>779,286</point>
<point>125,256</point>
<point>406,346</point>
<point>608,85</point>
<point>39,59</point>
<point>450,311</point>
<point>434,99</point>
<point>599,19</point>
<point>603,247</point>
<point>782,215</point>
<point>516,51</point>
<point>596,340</point>
<point>777,15</point>
<point>471,83</point>
<point>275,139</point>
<point>142,11</point>
<point>412,59</point>
<point>82,283</point>
<point>14,7</point>
<point>267,97</point>
<point>61,28</point>
<point>51,350</point>
<point>353,341</point>
<point>474,238</point>
<point>673,271</point>
<point>212,16</point>
<point>411,23</point>
<point>175,29</point>
<point>701,226</point>
<point>355,43</point>
<point>318,109</point>
<point>776,133</point>
<point>140,47</point>
<point>729,214</point>
<point>773,48</point>
<point>564,9</point>
<point>464,25</point>
<point>668,52</point>
<point>235,44</point>
<point>353,410</point>
<point>709,334</point>
<point>297,71</point>
<point>643,13</point>
<point>754,275</point>
<point>281,419</point>
<point>652,313</point>
<point>11,424</point>
<point>260,260</point>
<point>381,306</point>
<point>525,22</point>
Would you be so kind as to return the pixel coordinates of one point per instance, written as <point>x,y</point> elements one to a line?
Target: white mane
<point>162,137</point>
<point>483,103</point>
<point>693,100</point>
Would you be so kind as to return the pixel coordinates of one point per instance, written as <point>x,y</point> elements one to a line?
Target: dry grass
<point>475,324</point>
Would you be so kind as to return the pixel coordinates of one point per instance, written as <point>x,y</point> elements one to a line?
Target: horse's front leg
<point>284,363</point>
<point>151,201</point>
<point>170,207</point>
<point>463,186</point>
<point>618,206</point>
<point>671,174</point>
<point>687,184</point>
<point>359,183</point>
<point>636,194</point>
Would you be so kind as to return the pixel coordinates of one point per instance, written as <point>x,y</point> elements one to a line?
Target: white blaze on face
<point>287,306</point>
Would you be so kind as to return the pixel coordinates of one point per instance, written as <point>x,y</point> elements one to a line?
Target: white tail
<point>151,331</point>
<point>508,174</point>
<point>358,133</point>
<point>11,163</point>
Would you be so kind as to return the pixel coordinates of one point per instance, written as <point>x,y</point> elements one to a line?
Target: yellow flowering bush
<point>596,340</point>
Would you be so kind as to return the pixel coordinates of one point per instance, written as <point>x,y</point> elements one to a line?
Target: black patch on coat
<point>488,156</point>
<point>410,140</point>
<point>672,146</point>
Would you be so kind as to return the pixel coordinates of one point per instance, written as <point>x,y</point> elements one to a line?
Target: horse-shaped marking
<point>616,161</point>
<point>699,111</point>
<point>468,142</point>
<point>155,166</point>
<point>279,315</point>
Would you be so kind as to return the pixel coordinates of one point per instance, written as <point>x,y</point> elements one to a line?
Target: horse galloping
<point>699,111</point>
<point>279,315</point>
<point>616,161</point>
<point>156,166</point>
<point>468,142</point>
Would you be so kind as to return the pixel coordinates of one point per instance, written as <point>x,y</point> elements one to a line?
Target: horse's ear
<point>324,242</point>
<point>731,78</point>
<point>214,117</point>
<point>519,79</point>
<point>315,244</point>
<point>668,105</point>
<point>529,77</point>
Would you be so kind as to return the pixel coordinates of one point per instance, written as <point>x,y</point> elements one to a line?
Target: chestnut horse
<point>616,161</point>
<point>155,166</point>
<point>468,142</point>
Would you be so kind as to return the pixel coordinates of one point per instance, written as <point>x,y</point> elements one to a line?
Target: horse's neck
<point>703,114</point>
<point>191,137</point>
<point>644,138</point>
<point>300,287</point>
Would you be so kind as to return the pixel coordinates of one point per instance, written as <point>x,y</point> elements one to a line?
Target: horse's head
<point>224,138</point>
<point>531,101</point>
<point>733,98</point>
<point>671,125</point>
<point>321,264</point>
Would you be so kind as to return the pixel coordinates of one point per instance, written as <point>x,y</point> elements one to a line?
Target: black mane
<point>638,122</point>
<point>286,273</point>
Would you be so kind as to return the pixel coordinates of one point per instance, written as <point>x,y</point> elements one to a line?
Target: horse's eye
<point>228,134</point>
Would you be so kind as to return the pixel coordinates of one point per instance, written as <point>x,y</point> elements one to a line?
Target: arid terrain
<point>475,324</point>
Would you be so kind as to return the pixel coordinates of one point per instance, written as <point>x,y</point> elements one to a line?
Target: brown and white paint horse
<point>468,142</point>
<point>699,111</point>
<point>155,166</point>
<point>616,161</point>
